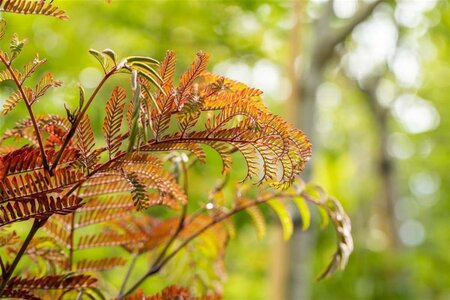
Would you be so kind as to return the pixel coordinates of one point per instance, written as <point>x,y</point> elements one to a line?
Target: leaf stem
<point>30,112</point>
<point>157,267</point>
<point>79,118</point>
<point>36,225</point>
<point>127,275</point>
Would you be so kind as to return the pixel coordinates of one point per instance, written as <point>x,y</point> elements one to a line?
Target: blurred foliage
<point>246,38</point>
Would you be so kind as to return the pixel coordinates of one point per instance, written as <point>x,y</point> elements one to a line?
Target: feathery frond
<point>38,208</point>
<point>37,183</point>
<point>87,265</point>
<point>34,7</point>
<point>85,143</point>
<point>28,159</point>
<point>50,282</point>
<point>113,120</point>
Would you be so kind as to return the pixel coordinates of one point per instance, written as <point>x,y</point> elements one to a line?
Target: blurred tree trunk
<point>385,204</point>
<point>303,99</point>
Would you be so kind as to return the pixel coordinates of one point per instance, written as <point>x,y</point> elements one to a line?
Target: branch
<point>79,118</point>
<point>30,112</point>
<point>330,38</point>
<point>358,18</point>
<point>156,268</point>
<point>6,276</point>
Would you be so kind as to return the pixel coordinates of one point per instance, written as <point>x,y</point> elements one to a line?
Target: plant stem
<point>30,112</point>
<point>157,267</point>
<point>127,275</point>
<point>71,236</point>
<point>79,118</point>
<point>36,225</point>
<point>182,166</point>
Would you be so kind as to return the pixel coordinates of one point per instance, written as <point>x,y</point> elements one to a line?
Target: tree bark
<point>319,57</point>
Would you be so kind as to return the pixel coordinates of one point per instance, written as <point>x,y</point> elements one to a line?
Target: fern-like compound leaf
<point>19,293</point>
<point>258,221</point>
<point>37,183</point>
<point>51,282</point>
<point>16,45</point>
<point>28,159</point>
<point>13,100</point>
<point>38,208</point>
<point>46,82</point>
<point>85,143</point>
<point>35,7</point>
<point>88,265</point>
<point>138,191</point>
<point>113,120</point>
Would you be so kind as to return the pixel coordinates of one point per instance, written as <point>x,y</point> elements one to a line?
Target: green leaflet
<point>258,220</point>
<point>303,209</point>
<point>324,218</point>
<point>111,54</point>
<point>16,45</point>
<point>136,87</point>
<point>152,80</point>
<point>285,218</point>
<point>142,59</point>
<point>101,58</point>
<point>230,228</point>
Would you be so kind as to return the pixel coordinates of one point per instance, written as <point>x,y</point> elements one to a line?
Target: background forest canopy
<point>366,80</point>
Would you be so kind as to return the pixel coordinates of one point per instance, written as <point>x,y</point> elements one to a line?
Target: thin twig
<point>79,118</point>
<point>30,112</point>
<point>156,268</point>
<point>36,225</point>
<point>129,271</point>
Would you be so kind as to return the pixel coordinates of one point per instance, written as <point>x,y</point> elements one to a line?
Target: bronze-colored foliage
<point>171,293</point>
<point>65,180</point>
<point>113,120</point>
<point>38,208</point>
<point>86,265</point>
<point>35,7</point>
<point>66,282</point>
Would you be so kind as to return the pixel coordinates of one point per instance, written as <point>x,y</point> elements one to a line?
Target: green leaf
<point>144,68</point>
<point>303,209</point>
<point>229,226</point>
<point>111,54</point>
<point>153,81</point>
<point>82,96</point>
<point>142,59</point>
<point>136,87</point>
<point>258,220</point>
<point>101,58</point>
<point>285,218</point>
<point>324,218</point>
<point>16,45</point>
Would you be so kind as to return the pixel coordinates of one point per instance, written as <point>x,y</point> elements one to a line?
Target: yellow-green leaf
<point>304,211</point>
<point>229,226</point>
<point>324,218</point>
<point>285,218</point>
<point>258,221</point>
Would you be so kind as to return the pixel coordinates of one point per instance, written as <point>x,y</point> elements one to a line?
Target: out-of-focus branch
<point>384,164</point>
<point>329,38</point>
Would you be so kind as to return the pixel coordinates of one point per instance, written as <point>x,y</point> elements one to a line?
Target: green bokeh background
<point>243,38</point>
